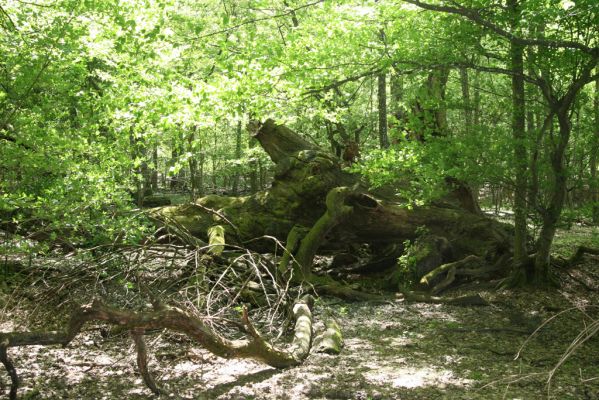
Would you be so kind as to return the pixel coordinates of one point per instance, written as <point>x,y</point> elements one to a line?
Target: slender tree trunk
<point>537,132</point>
<point>465,83</point>
<point>397,98</point>
<point>193,164</point>
<point>519,138</point>
<point>238,157</point>
<point>593,161</point>
<point>146,174</point>
<point>136,170</point>
<point>214,161</point>
<point>476,105</point>
<point>201,173</point>
<point>254,169</point>
<point>436,86</point>
<point>553,211</point>
<point>174,158</point>
<point>155,168</point>
<point>382,100</point>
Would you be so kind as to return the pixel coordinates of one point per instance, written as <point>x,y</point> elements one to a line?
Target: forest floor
<point>393,350</point>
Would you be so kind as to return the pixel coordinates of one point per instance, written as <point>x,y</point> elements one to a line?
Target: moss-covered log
<point>305,175</point>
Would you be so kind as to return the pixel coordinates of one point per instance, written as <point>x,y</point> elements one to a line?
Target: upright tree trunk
<point>531,127</point>
<point>254,169</point>
<point>155,168</point>
<point>382,100</point>
<point>536,128</point>
<point>146,174</point>
<point>397,97</point>
<point>136,169</point>
<point>436,85</point>
<point>142,173</point>
<point>174,183</point>
<point>476,105</point>
<point>552,212</point>
<point>519,138</point>
<point>214,158</point>
<point>465,83</point>
<point>237,156</point>
<point>193,164</point>
<point>593,160</point>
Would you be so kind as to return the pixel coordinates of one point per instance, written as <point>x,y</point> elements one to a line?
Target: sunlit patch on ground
<point>392,351</point>
<point>408,377</point>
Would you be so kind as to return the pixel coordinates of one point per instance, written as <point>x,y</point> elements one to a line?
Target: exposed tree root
<point>175,319</point>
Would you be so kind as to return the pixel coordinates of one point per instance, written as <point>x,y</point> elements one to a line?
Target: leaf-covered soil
<point>393,350</point>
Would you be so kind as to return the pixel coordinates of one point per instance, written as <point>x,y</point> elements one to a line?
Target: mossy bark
<point>304,176</point>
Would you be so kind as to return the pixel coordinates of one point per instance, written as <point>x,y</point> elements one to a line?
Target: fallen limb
<point>468,261</point>
<point>10,368</point>
<point>175,319</point>
<point>216,239</point>
<point>472,300</point>
<point>331,340</point>
<point>293,239</point>
<point>327,285</point>
<point>337,210</point>
<point>446,282</point>
<point>579,253</point>
<point>142,361</point>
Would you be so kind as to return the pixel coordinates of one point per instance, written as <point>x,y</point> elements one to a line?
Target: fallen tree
<point>313,207</point>
<point>316,206</point>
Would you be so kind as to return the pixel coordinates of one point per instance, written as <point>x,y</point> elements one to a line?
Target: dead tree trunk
<point>305,175</point>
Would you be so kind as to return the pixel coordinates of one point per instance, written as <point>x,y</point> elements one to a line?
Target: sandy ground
<point>392,351</point>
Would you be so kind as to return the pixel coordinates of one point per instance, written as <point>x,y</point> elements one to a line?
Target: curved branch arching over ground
<point>164,317</point>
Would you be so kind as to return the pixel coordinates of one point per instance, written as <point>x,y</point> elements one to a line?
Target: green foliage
<point>93,95</point>
<point>405,273</point>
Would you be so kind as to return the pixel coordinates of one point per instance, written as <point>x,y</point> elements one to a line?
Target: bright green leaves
<point>414,168</point>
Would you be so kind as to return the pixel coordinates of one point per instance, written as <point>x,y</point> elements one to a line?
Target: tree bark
<point>397,97</point>
<point>237,157</point>
<point>593,159</point>
<point>382,101</point>
<point>155,168</point>
<point>519,138</point>
<point>550,215</point>
<point>304,176</point>
<point>465,83</point>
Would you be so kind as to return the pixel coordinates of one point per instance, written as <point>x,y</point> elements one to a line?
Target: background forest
<point>109,108</point>
<point>102,101</point>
